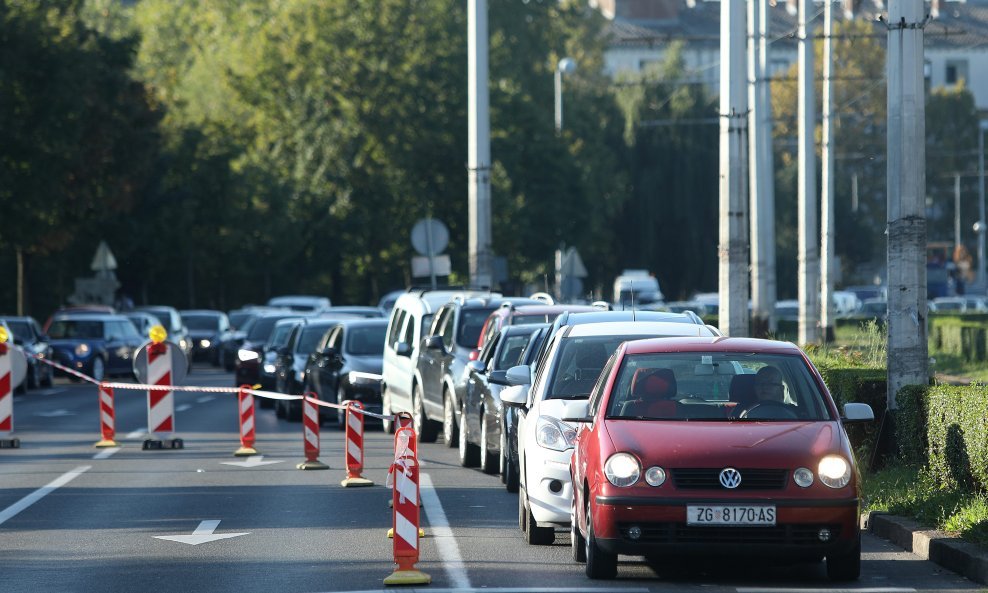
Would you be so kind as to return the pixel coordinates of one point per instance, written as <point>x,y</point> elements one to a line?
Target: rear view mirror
<point>519,375</point>
<point>576,411</point>
<point>514,396</point>
<point>858,413</point>
<point>433,343</point>
<point>476,366</point>
<point>497,377</point>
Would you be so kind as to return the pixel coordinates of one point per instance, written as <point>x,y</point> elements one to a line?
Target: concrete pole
<point>809,256</point>
<point>906,181</point>
<point>733,247</point>
<point>957,210</point>
<point>827,312</point>
<point>981,208</point>
<point>479,150</point>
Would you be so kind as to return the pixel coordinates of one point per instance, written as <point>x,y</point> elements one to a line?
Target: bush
<point>957,435</point>
<point>910,423</point>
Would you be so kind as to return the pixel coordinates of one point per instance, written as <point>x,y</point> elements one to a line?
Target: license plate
<point>730,515</point>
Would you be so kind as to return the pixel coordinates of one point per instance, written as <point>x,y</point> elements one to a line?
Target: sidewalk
<point>950,552</point>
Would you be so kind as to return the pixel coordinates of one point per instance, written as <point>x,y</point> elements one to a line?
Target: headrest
<point>742,389</point>
<point>651,384</point>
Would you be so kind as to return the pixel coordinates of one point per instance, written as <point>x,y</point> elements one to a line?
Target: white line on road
<point>137,433</point>
<point>798,590</point>
<point>449,552</point>
<point>106,453</point>
<point>20,505</point>
<point>514,590</point>
<point>204,399</point>
<point>183,408</point>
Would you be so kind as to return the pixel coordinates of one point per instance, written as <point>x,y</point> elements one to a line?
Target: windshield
<point>279,335</point>
<point>511,351</point>
<point>716,386</point>
<point>261,328</point>
<point>307,342</point>
<point>21,330</point>
<point>73,329</point>
<point>580,362</point>
<point>365,341</point>
<point>210,322</point>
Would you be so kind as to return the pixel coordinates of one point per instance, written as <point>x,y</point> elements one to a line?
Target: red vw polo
<point>711,446</point>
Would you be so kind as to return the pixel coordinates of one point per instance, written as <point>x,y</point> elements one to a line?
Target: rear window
<point>201,321</point>
<point>366,341</point>
<point>471,324</point>
<point>74,329</point>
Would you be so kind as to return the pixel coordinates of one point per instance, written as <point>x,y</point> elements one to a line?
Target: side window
<point>540,369</point>
<point>487,355</point>
<point>333,339</point>
<point>597,394</point>
<point>437,324</point>
<point>394,332</point>
<point>409,336</point>
<point>448,328</point>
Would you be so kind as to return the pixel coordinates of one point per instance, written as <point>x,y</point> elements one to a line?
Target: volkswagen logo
<point>730,478</point>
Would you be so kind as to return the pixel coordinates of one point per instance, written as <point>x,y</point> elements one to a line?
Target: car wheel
<point>387,424</point>
<point>577,543</point>
<point>845,567</point>
<point>509,469</point>
<point>502,465</point>
<point>341,396</point>
<point>279,408</point>
<point>450,434</point>
<point>99,369</point>
<point>469,453</point>
<point>488,461</point>
<point>293,410</point>
<point>534,534</point>
<point>600,564</point>
<point>33,376</point>
<point>424,427</point>
<point>48,377</point>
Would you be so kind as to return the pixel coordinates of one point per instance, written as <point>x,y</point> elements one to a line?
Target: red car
<point>702,447</point>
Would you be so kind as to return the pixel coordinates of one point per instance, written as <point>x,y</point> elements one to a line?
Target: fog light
<point>803,477</point>
<point>634,532</point>
<point>555,486</point>
<point>824,535</point>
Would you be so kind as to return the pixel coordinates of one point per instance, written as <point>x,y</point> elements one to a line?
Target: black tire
<point>847,566</point>
<point>577,543</point>
<point>488,460</point>
<point>426,429</point>
<point>450,433</point>
<point>509,475</point>
<point>48,377</point>
<point>600,564</point>
<point>293,413</point>
<point>534,534</point>
<point>279,408</point>
<point>469,453</point>
<point>341,396</point>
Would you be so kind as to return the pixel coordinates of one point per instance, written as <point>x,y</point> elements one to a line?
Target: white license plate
<point>730,515</point>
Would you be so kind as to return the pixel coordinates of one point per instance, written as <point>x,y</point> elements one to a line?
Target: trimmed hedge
<point>910,423</point>
<point>964,337</point>
<point>859,385</point>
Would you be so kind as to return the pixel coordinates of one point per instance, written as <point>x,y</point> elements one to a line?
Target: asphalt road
<point>76,518</point>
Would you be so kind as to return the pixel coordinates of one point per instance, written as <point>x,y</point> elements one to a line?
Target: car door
<point>334,340</point>
<point>431,356</point>
<point>318,366</point>
<point>478,389</point>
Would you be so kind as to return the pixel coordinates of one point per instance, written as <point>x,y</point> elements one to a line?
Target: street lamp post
<point>565,66</point>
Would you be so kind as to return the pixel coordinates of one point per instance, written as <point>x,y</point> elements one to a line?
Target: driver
<point>768,385</point>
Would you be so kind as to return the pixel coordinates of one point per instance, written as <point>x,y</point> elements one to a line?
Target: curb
<point>966,559</point>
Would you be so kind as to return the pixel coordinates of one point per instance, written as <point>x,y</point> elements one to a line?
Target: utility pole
<point>762,199</point>
<point>906,148</point>
<point>479,150</point>
<point>809,256</point>
<point>733,247</point>
<point>827,312</point>
<point>957,210</point>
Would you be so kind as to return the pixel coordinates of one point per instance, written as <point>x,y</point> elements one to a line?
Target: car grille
<point>709,479</point>
<point>680,533</point>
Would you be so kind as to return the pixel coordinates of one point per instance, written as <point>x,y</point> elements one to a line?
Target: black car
<point>247,367</point>
<point>347,365</point>
<point>291,360</point>
<point>508,462</point>
<point>207,329</point>
<point>481,420</point>
<point>29,336</point>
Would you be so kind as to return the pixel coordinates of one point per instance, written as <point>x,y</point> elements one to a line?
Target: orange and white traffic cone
<point>310,433</point>
<point>245,407</point>
<point>106,417</point>
<point>405,517</point>
<point>354,446</point>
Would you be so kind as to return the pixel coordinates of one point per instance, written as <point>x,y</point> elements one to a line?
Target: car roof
<point>616,328</point>
<point>523,328</point>
<point>364,322</point>
<point>714,344</point>
<point>90,317</point>
<point>211,312</point>
<point>550,309</point>
<point>603,316</point>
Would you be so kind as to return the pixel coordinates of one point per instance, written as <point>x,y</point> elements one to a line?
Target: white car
<point>568,371</point>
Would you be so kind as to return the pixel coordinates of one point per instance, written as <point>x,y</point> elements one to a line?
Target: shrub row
<point>861,385</point>
<point>965,337</point>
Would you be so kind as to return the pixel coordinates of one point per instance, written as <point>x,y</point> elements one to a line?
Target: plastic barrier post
<point>405,517</point>
<point>161,403</point>
<point>310,434</point>
<point>6,401</point>
<point>106,417</point>
<point>245,402</point>
<point>354,447</point>
<point>403,420</point>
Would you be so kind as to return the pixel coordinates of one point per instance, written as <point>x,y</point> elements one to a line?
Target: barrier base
<point>10,443</point>
<point>312,464</point>
<point>356,482</point>
<point>391,533</point>
<point>245,452</point>
<point>408,577</point>
<point>104,443</point>
<point>155,445</point>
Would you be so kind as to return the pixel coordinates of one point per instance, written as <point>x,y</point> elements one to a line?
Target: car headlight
<point>184,344</point>
<point>299,376</point>
<point>655,476</point>
<point>554,434</point>
<point>622,469</point>
<point>803,477</point>
<point>270,368</point>
<point>358,377</point>
<point>204,343</point>
<point>82,349</point>
<point>247,355</point>
<point>834,471</point>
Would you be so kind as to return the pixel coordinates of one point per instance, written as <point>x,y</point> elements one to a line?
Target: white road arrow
<point>202,534</point>
<point>252,461</point>
<point>55,414</point>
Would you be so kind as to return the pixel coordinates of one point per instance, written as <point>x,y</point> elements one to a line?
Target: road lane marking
<point>106,453</point>
<point>20,505</point>
<point>137,433</point>
<point>203,534</point>
<point>449,552</point>
<point>204,399</point>
<point>183,408</point>
<point>252,461</point>
<point>800,590</point>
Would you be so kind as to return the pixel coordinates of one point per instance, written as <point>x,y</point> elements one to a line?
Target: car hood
<point>748,444</point>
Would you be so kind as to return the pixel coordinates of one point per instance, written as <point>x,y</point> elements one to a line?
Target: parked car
<point>278,339</point>
<point>388,301</point>
<point>207,329</point>
<point>975,304</point>
<point>290,361</point>
<point>510,313</point>
<point>480,419</point>
<point>956,304</point>
<point>573,360</point>
<point>26,333</point>
<point>346,364</point>
<point>300,303</point>
<point>240,321</point>
<point>142,321</point>
<point>97,345</point>
<point>247,367</point>
<point>508,465</point>
<point>669,465</point>
<point>172,322</point>
<point>81,309</point>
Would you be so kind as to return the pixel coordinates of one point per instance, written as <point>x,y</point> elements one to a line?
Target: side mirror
<point>403,349</point>
<point>519,375</point>
<point>514,396</point>
<point>858,413</point>
<point>476,366</point>
<point>328,352</point>
<point>497,377</point>
<point>433,343</point>
<point>576,411</point>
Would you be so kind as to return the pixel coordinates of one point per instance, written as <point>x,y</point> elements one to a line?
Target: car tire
<point>450,432</point>
<point>469,453</point>
<point>577,543</point>
<point>488,460</point>
<point>534,534</point>
<point>847,566</point>
<point>425,428</point>
<point>33,379</point>
<point>387,423</point>
<point>98,370</point>
<point>509,470</point>
<point>341,396</point>
<point>279,408</point>
<point>48,377</point>
<point>293,410</point>
<point>600,564</point>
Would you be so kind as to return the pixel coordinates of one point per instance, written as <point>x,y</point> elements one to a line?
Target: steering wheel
<point>768,410</point>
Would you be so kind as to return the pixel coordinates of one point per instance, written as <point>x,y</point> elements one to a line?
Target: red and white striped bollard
<point>161,402</point>
<point>106,417</point>
<point>405,517</point>
<point>354,446</point>
<point>245,405</point>
<point>7,398</point>
<point>310,433</point>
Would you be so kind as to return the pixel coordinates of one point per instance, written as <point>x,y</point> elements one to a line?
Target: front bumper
<point>548,486</point>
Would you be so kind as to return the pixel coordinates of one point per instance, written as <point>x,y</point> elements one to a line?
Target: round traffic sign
<point>429,236</point>
<point>180,364</point>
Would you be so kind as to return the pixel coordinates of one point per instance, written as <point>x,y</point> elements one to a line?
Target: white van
<point>636,287</point>
<point>409,322</point>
